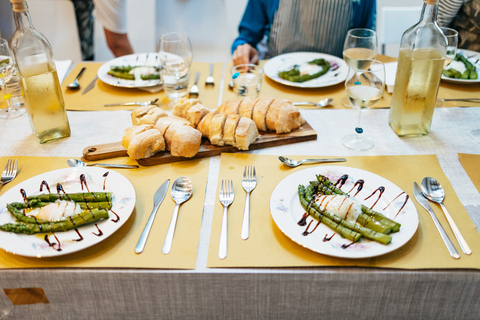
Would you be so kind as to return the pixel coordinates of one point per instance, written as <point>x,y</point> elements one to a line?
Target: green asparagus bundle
<point>372,213</point>
<point>308,203</point>
<point>294,75</point>
<point>58,226</point>
<point>470,72</point>
<point>76,197</point>
<point>123,72</point>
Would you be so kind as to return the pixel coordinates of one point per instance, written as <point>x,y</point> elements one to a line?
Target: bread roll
<point>146,144</point>
<point>229,129</point>
<point>246,133</point>
<point>152,116</point>
<point>132,131</point>
<point>215,134</point>
<point>221,109</point>
<point>274,111</point>
<point>163,123</point>
<point>204,124</point>
<point>260,112</point>
<point>172,129</point>
<point>181,107</point>
<point>246,107</point>
<point>196,113</point>
<point>289,119</point>
<point>185,142</point>
<point>232,106</point>
<point>138,113</point>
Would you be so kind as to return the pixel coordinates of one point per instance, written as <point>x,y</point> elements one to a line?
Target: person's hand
<point>245,54</point>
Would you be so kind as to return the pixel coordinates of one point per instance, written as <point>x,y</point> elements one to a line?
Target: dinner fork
<point>194,90</point>
<point>210,80</point>
<point>9,172</point>
<point>226,197</point>
<point>142,104</point>
<point>249,182</point>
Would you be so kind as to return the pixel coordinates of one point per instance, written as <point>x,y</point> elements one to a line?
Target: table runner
<point>269,247</point>
<point>103,93</point>
<point>117,251</point>
<point>470,163</point>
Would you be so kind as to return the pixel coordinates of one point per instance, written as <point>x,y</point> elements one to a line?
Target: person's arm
<point>118,43</point>
<point>447,10</point>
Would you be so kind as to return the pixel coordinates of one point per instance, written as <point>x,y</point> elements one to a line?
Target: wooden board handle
<point>104,151</point>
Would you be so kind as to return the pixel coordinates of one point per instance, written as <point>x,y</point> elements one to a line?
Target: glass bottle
<point>420,64</point>
<point>38,78</point>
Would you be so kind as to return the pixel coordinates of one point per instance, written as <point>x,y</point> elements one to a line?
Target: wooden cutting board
<point>267,139</point>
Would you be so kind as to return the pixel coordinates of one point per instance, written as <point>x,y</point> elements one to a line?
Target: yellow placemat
<point>269,247</point>
<point>117,251</point>
<point>470,163</point>
<point>103,93</point>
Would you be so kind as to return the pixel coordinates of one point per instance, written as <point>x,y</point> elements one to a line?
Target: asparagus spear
<point>77,197</point>
<point>64,225</point>
<point>337,227</point>
<point>295,76</point>
<point>121,75</point>
<point>374,214</point>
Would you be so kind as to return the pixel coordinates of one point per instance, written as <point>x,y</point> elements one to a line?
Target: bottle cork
<point>18,5</point>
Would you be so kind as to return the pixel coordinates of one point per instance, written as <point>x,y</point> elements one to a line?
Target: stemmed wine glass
<point>452,43</point>
<point>360,44</point>
<point>6,72</point>
<point>363,87</point>
<point>176,57</point>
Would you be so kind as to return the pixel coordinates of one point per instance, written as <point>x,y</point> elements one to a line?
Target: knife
<point>91,85</point>
<point>417,192</point>
<point>157,200</point>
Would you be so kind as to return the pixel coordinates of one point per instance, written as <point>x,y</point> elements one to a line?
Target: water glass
<point>247,80</point>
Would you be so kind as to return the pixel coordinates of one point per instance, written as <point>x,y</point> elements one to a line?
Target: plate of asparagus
<point>464,68</point>
<point>63,211</point>
<point>306,69</point>
<point>132,71</point>
<point>343,212</point>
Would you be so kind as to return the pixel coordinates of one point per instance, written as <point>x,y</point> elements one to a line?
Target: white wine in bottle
<point>420,64</point>
<point>38,78</point>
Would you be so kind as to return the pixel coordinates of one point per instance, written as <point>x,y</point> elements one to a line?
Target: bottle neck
<point>22,19</point>
<point>429,11</point>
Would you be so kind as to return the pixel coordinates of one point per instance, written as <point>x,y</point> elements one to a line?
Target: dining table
<point>268,276</point>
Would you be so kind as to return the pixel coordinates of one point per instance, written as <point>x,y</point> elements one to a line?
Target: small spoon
<point>295,163</point>
<point>181,192</point>
<point>320,104</point>
<point>433,191</point>
<point>78,163</point>
<point>75,85</point>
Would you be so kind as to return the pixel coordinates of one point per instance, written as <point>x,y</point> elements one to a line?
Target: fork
<point>226,197</point>
<point>210,80</point>
<point>194,90</point>
<point>249,182</point>
<point>9,172</point>
<point>142,104</point>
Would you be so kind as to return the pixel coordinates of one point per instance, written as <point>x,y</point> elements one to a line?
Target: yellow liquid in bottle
<point>44,102</point>
<point>415,92</point>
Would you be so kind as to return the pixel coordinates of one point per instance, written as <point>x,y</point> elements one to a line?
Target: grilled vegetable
<point>294,74</point>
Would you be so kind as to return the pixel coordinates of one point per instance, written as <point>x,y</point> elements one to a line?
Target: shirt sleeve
<point>112,14</point>
<point>447,10</point>
<point>364,14</point>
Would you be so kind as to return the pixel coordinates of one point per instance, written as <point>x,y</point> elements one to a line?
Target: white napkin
<point>62,68</point>
<point>390,72</point>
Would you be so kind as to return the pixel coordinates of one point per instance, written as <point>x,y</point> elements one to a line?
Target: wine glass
<point>7,70</point>
<point>361,44</point>
<point>363,87</point>
<point>452,43</point>
<point>176,57</point>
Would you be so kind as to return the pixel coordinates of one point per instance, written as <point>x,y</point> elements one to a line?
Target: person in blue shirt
<point>275,27</point>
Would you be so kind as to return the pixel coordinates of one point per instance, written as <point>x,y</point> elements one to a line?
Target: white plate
<point>287,212</point>
<point>144,59</point>
<point>287,61</point>
<point>471,55</point>
<point>35,245</point>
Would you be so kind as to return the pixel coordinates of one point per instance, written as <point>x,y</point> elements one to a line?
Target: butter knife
<point>91,85</point>
<point>157,200</point>
<point>417,192</point>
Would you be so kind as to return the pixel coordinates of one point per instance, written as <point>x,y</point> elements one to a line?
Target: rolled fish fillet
<point>343,207</point>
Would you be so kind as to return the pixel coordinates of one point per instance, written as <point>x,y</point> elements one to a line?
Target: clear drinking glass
<point>452,43</point>
<point>247,80</point>
<point>363,87</point>
<point>176,57</point>
<point>360,44</point>
<point>7,70</point>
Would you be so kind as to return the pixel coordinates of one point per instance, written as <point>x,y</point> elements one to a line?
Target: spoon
<point>295,163</point>
<point>320,104</point>
<point>78,163</point>
<point>181,192</point>
<point>433,191</point>
<point>75,85</point>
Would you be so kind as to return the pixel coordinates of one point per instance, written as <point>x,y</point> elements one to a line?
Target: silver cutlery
<point>194,90</point>
<point>91,85</point>
<point>210,81</point>
<point>181,192</point>
<point>249,182</point>
<point>433,191</point>
<point>294,163</point>
<point>9,172</point>
<point>75,85</point>
<point>157,201</point>
<point>78,163</point>
<point>417,192</point>
<point>142,104</point>
<point>466,99</point>
<point>319,104</point>
<point>226,197</point>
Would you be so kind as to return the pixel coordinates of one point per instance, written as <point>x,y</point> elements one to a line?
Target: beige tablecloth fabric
<point>117,251</point>
<point>269,247</point>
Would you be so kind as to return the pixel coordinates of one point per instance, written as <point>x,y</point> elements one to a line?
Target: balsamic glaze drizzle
<point>44,184</point>
<point>380,190</point>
